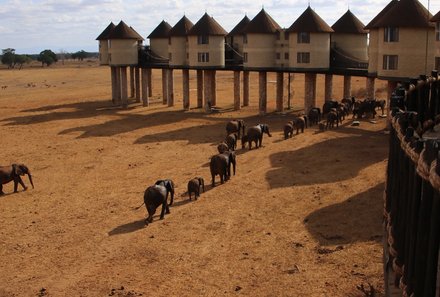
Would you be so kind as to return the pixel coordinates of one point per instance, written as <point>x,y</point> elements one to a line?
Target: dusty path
<point>302,217</point>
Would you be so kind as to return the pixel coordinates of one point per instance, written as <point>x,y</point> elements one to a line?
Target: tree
<point>22,59</point>
<point>80,55</point>
<point>8,57</point>
<point>47,57</point>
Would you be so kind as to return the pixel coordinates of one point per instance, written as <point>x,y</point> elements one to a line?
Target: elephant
<point>153,197</point>
<point>300,122</point>
<point>255,134</point>
<point>222,147</point>
<point>231,141</point>
<point>235,126</point>
<point>169,185</point>
<point>288,129</point>
<point>221,164</point>
<point>328,105</point>
<point>12,173</point>
<point>314,115</point>
<point>332,118</point>
<point>194,187</point>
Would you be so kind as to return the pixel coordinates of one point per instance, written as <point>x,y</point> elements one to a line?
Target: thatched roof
<point>182,27</point>
<point>207,26</point>
<point>372,23</point>
<point>138,35</point>
<point>349,23</point>
<point>239,28</point>
<point>122,31</point>
<point>104,35</point>
<point>262,23</point>
<point>310,21</point>
<point>403,13</point>
<point>161,31</point>
<point>436,18</point>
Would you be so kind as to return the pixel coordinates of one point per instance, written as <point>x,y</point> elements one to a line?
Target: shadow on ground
<point>128,228</point>
<point>357,219</point>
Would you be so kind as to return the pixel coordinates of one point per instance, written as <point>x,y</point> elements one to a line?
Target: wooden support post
<point>280,92</point>
<point>164,86</point>
<point>391,86</point>
<point>370,87</point>
<point>236,90</point>
<point>207,90</point>
<point>328,87</point>
<point>114,84</point>
<point>347,86</point>
<point>309,91</point>
<point>213,87</point>
<point>137,82</point>
<point>150,82</point>
<point>199,88</point>
<point>145,101</point>
<point>185,82</point>
<point>262,92</point>
<point>245,88</point>
<point>124,87</point>
<point>170,87</point>
<point>118,85</point>
<point>132,81</point>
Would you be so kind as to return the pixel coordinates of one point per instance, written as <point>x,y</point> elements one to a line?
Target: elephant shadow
<point>357,219</point>
<point>185,198</point>
<point>128,228</point>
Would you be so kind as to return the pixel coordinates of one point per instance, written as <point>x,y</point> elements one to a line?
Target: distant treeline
<point>46,57</point>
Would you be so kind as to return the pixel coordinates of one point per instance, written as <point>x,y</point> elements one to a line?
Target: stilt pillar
<point>370,87</point>
<point>391,86</point>
<point>262,75</point>
<point>199,88</point>
<point>347,86</point>
<point>114,79</point>
<point>309,91</point>
<point>280,91</point>
<point>290,93</point>
<point>137,83</point>
<point>145,101</point>
<point>328,87</point>
<point>245,88</point>
<point>213,87</point>
<point>150,82</point>
<point>185,82</point>
<point>164,86</point>
<point>237,90</point>
<point>132,81</point>
<point>207,90</point>
<point>170,87</point>
<point>124,87</point>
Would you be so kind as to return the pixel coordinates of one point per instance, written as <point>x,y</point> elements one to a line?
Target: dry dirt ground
<point>302,217</point>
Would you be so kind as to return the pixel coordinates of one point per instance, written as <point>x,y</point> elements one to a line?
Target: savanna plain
<point>301,217</point>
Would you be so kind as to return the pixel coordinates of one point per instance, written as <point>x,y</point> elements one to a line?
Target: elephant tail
<point>136,208</point>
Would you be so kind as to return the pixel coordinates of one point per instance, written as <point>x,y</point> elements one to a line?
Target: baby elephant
<point>288,129</point>
<point>222,147</point>
<point>12,173</point>
<point>153,197</point>
<point>194,187</point>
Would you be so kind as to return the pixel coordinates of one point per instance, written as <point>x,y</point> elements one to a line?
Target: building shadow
<point>357,219</point>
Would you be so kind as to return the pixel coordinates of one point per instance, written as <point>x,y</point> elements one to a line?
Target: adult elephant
<point>155,196</point>
<point>12,173</point>
<point>235,126</point>
<point>255,134</point>
<point>220,164</point>
<point>169,185</point>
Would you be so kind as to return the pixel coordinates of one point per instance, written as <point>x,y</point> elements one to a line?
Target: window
<point>109,57</point>
<point>286,56</point>
<point>391,34</point>
<point>278,56</point>
<point>245,57</point>
<point>170,56</point>
<point>202,39</point>
<point>303,37</point>
<point>390,62</point>
<point>303,57</point>
<point>245,38</point>
<point>286,36</point>
<point>437,31</point>
<point>203,57</point>
<point>278,35</point>
<point>437,63</point>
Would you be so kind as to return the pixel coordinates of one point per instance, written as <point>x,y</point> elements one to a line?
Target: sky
<point>31,26</point>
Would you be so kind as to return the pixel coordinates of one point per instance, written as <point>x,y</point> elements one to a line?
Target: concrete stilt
<point>237,90</point>
<point>207,90</point>
<point>290,92</point>
<point>124,87</point>
<point>164,86</point>
<point>213,87</point>
<point>170,87</point>
<point>199,88</point>
<point>328,87</point>
<point>262,75</point>
<point>280,91</point>
<point>309,91</point>
<point>114,84</point>
<point>245,88</point>
<point>150,82</point>
<point>137,83</point>
<point>185,82</point>
<point>391,86</point>
<point>370,87</point>
<point>347,86</point>
<point>145,101</point>
<point>132,81</point>
<point>118,86</point>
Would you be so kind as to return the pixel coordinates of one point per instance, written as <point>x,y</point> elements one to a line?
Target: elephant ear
<point>16,169</point>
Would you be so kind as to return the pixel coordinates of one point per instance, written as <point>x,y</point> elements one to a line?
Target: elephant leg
<point>151,212</point>
<point>162,212</point>
<point>171,199</point>
<point>16,181</point>
<point>213,179</point>
<point>1,189</point>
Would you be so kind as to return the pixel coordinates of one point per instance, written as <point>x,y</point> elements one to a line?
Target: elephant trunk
<point>30,179</point>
